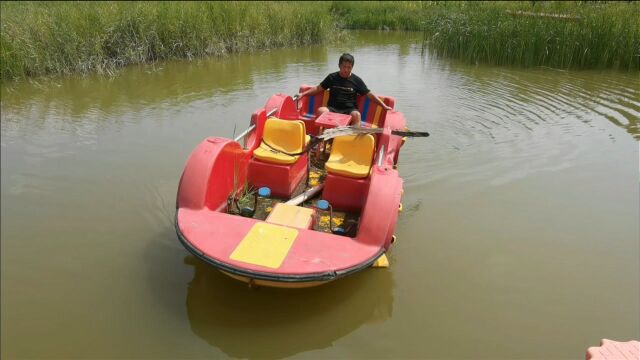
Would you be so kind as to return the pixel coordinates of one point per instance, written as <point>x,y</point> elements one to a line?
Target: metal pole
<point>380,155</point>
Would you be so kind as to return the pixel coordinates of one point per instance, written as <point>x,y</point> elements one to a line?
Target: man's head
<point>346,64</point>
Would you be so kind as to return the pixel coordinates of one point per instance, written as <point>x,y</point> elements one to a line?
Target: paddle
<point>346,131</point>
<point>353,130</point>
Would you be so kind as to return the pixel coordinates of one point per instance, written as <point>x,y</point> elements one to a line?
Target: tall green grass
<point>380,15</point>
<point>606,35</point>
<point>40,38</point>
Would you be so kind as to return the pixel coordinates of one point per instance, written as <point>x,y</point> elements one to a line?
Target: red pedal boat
<point>269,209</point>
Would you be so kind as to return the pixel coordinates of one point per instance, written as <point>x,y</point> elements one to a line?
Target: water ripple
<point>522,121</point>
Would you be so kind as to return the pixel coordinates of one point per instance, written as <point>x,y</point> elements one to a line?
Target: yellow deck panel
<point>265,245</point>
<point>291,215</point>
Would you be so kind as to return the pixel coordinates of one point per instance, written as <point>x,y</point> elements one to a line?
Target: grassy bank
<point>81,37</point>
<point>64,37</point>
<point>567,35</point>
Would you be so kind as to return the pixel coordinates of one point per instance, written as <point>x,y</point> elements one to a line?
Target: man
<point>343,87</point>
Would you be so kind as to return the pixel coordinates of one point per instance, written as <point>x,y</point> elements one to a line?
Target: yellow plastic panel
<point>381,262</point>
<point>376,117</point>
<point>325,98</point>
<point>291,215</point>
<point>265,245</point>
<point>351,156</point>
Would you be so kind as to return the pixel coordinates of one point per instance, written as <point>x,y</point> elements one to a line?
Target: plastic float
<point>610,350</point>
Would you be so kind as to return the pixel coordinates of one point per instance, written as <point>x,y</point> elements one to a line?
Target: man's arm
<point>373,97</point>
<point>311,91</point>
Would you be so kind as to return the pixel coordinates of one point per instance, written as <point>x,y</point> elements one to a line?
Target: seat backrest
<point>372,114</point>
<point>356,148</point>
<point>310,104</point>
<point>287,136</point>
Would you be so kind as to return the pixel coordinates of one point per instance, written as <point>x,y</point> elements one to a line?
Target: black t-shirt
<point>342,94</point>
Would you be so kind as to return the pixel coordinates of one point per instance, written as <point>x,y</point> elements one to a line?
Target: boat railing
<point>296,98</point>
<point>243,135</point>
<point>380,155</point>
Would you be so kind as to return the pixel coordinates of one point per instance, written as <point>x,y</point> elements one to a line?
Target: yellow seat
<point>281,138</point>
<point>351,156</point>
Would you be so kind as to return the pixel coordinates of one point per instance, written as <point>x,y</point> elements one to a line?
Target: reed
<point>380,15</point>
<point>561,34</point>
<point>40,38</point>
<point>567,35</point>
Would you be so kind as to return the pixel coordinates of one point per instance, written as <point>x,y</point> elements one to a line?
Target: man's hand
<point>310,92</point>
<point>379,101</point>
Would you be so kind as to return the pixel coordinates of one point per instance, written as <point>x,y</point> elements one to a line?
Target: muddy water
<point>519,237</point>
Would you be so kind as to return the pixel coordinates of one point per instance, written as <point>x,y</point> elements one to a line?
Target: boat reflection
<point>273,323</point>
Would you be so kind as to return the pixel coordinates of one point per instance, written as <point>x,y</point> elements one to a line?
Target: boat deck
<point>348,221</point>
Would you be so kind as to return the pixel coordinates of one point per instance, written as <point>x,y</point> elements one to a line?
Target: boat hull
<point>254,276</point>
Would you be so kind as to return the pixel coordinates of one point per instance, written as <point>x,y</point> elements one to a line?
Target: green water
<point>519,239</point>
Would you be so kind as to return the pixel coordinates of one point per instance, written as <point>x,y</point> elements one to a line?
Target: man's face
<point>345,69</point>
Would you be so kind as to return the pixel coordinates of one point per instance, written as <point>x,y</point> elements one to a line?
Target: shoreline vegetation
<point>47,38</point>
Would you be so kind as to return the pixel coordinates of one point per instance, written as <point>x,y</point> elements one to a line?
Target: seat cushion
<point>280,139</point>
<point>265,153</point>
<point>351,156</point>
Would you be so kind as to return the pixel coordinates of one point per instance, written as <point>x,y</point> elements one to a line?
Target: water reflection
<point>138,88</point>
<point>274,323</point>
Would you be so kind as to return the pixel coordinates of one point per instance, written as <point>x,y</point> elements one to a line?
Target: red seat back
<point>310,104</point>
<point>372,114</point>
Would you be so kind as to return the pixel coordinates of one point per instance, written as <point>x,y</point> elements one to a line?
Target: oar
<point>353,130</point>
<point>345,131</point>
